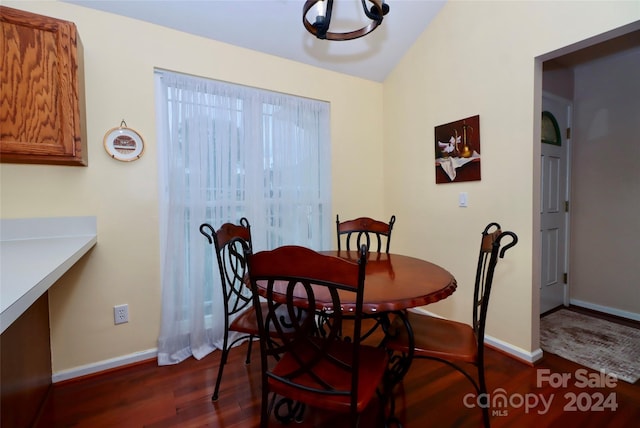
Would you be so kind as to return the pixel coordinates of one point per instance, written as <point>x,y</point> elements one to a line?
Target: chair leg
<point>266,406</point>
<point>485,397</point>
<point>248,359</point>
<point>485,417</point>
<point>223,361</point>
<point>355,420</point>
<point>388,405</point>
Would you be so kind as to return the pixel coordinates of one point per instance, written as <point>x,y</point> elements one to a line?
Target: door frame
<point>537,111</point>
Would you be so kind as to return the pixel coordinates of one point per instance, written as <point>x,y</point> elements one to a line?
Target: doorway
<point>605,88</point>
<point>554,201</point>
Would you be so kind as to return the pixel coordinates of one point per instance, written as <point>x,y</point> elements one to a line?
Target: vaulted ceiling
<point>275,27</point>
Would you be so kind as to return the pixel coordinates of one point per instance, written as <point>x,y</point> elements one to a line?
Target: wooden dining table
<point>395,282</point>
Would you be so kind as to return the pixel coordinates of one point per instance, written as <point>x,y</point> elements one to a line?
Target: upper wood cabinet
<point>41,90</point>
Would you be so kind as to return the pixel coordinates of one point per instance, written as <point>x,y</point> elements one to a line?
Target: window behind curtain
<point>228,151</point>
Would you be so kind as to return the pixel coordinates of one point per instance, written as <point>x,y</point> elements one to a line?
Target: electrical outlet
<point>120,314</point>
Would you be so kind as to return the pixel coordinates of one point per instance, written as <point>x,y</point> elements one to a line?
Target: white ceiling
<point>275,27</point>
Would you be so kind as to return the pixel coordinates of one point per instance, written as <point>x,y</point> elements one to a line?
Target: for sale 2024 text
<point>596,397</point>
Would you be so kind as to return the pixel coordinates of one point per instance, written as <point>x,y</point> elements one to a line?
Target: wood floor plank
<point>433,395</point>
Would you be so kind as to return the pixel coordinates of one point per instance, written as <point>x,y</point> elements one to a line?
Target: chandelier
<point>324,8</point>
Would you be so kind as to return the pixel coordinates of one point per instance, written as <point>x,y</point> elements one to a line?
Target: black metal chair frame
<point>367,229</point>
<point>363,230</point>
<point>299,338</point>
<point>487,261</point>
<point>237,296</point>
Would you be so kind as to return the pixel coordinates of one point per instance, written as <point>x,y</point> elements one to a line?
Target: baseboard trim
<point>505,347</point>
<point>514,351</point>
<point>605,309</point>
<point>104,365</point>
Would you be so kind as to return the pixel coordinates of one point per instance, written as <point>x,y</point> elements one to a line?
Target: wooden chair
<point>362,230</point>
<point>453,342</point>
<point>237,297</point>
<point>302,366</point>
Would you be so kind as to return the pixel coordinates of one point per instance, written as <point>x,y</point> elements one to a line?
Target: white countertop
<point>34,254</point>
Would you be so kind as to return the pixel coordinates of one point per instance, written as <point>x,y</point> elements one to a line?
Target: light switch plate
<point>463,199</point>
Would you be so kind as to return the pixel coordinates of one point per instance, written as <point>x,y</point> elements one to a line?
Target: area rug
<point>592,342</point>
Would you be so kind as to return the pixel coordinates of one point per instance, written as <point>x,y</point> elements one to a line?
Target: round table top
<point>395,282</point>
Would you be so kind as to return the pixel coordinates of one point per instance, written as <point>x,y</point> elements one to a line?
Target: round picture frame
<point>124,144</point>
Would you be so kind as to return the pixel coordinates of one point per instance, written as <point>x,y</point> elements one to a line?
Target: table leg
<point>287,410</point>
<point>399,362</point>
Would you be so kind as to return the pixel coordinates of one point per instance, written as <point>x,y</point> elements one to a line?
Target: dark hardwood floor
<point>146,395</point>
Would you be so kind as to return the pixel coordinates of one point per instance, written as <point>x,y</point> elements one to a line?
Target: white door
<point>554,195</point>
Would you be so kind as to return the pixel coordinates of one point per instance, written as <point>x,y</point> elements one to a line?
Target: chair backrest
<point>490,250</point>
<point>301,286</point>
<point>227,241</point>
<point>362,230</point>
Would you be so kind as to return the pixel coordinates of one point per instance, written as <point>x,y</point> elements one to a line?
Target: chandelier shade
<point>323,11</point>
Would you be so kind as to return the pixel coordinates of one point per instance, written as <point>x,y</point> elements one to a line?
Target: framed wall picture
<point>457,151</point>
<point>123,144</point>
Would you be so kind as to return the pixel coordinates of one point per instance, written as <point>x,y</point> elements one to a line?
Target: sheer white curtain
<point>227,151</point>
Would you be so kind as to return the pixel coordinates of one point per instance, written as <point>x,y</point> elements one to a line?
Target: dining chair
<point>363,230</point>
<point>451,342</point>
<point>302,367</point>
<point>239,314</point>
<point>359,231</point>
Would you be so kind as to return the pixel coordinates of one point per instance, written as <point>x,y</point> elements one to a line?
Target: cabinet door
<point>40,90</point>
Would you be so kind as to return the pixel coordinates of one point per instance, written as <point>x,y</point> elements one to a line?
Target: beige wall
<point>120,55</point>
<point>478,57</point>
<point>605,192</point>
